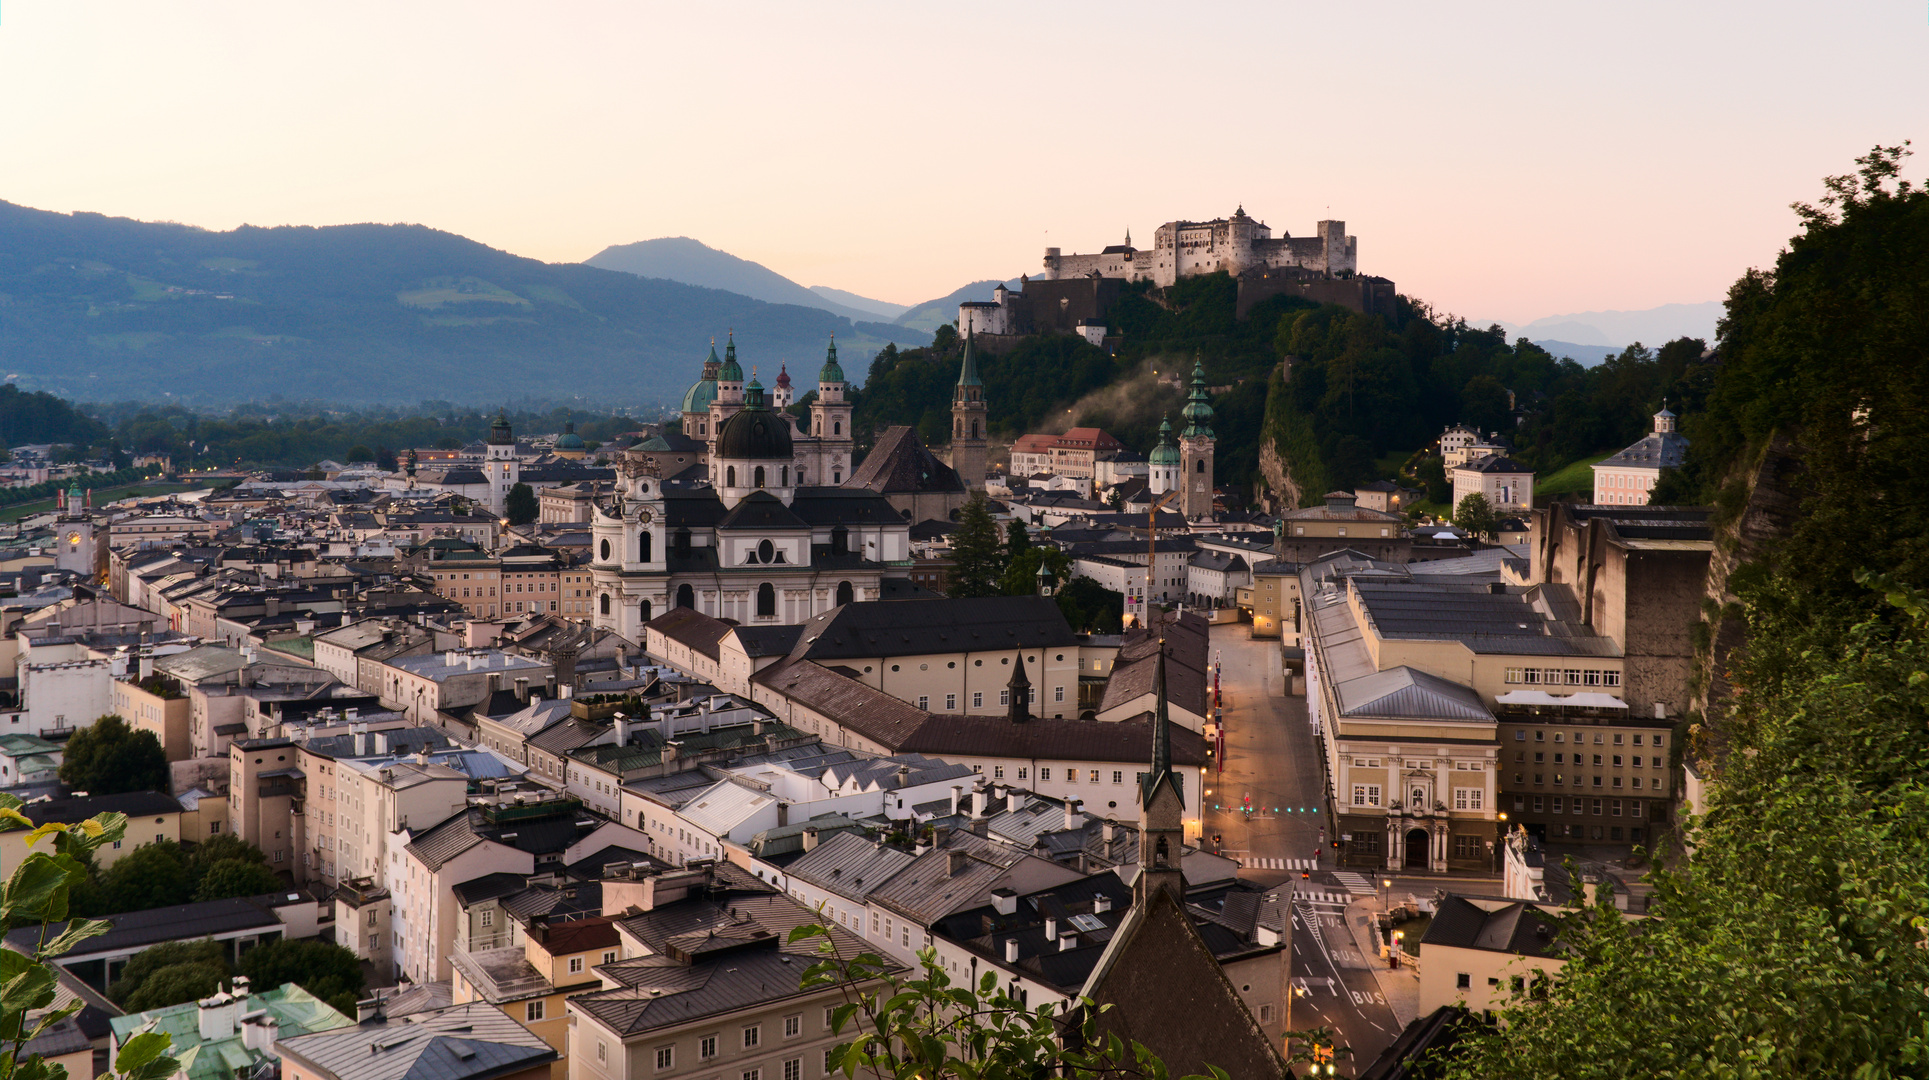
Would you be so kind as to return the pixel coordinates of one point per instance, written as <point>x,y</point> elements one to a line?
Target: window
<point>665,1057</point>
<point>535,1010</point>
<point>1466,847</point>
<point>1558,804</point>
<point>951,703</point>
<point>1021,772</point>
<point>1071,776</point>
<point>1004,698</point>
<point>1094,777</point>
<point>707,1048</point>
<point>794,1069</point>
<point>793,1026</point>
<point>924,702</point>
<point>1118,776</point>
<point>575,965</point>
<point>830,1014</point>
<point>753,1074</point>
<point>1597,809</point>
<point>977,699</point>
<point>1468,798</point>
<point>609,957</point>
<point>752,1035</point>
<point>1366,794</point>
<point>1058,693</point>
<point>1634,807</point>
<point>1463,981</point>
<point>997,772</point>
<point>1520,734</point>
<point>1045,773</point>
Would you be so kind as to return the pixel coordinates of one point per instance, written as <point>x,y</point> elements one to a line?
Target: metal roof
<point>474,1039</point>
<point>1407,694</point>
<point>849,865</point>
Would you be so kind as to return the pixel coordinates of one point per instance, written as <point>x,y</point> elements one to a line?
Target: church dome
<point>755,433</point>
<point>698,398</point>
<point>499,432</point>
<point>731,370</point>
<point>783,376</point>
<point>1165,453</point>
<point>570,440</point>
<point>832,371</point>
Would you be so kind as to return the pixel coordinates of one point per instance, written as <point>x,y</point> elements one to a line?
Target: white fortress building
<point>1237,245</point>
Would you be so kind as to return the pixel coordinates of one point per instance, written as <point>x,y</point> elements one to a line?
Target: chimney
<point>350,714</point>
<point>998,792</point>
<point>422,755</point>
<point>259,1032</point>
<point>216,1016</point>
<point>957,793</point>
<point>622,730</point>
<point>1051,927</point>
<point>810,838</point>
<point>240,988</point>
<point>369,1010</point>
<point>1011,950</point>
<point>1109,830</point>
<point>1071,812</point>
<point>1068,941</point>
<point>495,683</point>
<point>1005,900</point>
<point>955,862</point>
<point>147,665</point>
<point>1101,904</point>
<point>360,733</point>
<point>549,687</point>
<point>522,689</point>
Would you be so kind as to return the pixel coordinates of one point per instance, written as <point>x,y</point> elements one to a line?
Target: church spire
<point>1161,773</point>
<point>968,371</point>
<point>1018,703</point>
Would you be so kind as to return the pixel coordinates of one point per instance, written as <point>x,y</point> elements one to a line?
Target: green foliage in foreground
<point>924,1026</point>
<point>1795,942</point>
<point>37,894</point>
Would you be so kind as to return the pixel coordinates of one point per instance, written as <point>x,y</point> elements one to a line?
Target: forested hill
<point>104,309</point>
<point>1365,389</point>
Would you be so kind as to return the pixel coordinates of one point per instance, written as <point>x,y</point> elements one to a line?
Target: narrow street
<point>1267,809</point>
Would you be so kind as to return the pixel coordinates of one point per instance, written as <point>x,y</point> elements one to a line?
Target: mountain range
<point>1589,336</point>
<point>96,308</point>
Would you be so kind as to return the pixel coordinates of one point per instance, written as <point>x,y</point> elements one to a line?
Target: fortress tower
<point>1195,450</point>
<point>968,422</point>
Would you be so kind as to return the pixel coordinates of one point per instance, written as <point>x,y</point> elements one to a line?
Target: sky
<point>1498,160</point>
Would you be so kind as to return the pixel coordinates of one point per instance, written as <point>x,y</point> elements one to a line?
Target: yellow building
<point>151,818</point>
<point>157,705</point>
<point>528,982</point>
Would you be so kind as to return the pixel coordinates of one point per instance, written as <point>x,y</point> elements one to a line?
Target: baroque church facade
<point>763,531</point>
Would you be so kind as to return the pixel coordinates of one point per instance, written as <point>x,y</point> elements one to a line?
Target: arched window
<point>730,476</point>
<point>605,606</point>
<point>604,549</point>
<point>643,547</point>
<point>686,597</point>
<point>1200,466</point>
<point>786,479</point>
<point>759,475</point>
<point>766,601</point>
<point>766,551</point>
<point>959,433</point>
<point>845,594</point>
<point>837,427</point>
<point>974,429</point>
<point>643,610</point>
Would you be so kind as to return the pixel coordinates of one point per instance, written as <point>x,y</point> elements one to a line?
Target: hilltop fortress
<point>1075,292</point>
<point>1235,244</point>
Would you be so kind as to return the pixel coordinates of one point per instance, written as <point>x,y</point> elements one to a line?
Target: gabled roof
<point>912,627</point>
<point>849,865</point>
<point>1409,694</point>
<point>691,628</point>
<point>462,1042</point>
<point>901,463</point>
<point>760,511</point>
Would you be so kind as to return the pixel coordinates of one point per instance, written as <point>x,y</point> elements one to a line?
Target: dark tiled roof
<point>1512,927</point>
<point>488,887</point>
<point>1123,741</point>
<point>900,463</point>
<point>135,804</point>
<point>768,640</point>
<point>760,511</point>
<point>139,929</point>
<point>1496,463</point>
<point>911,627</point>
<point>844,506</point>
<point>692,628</point>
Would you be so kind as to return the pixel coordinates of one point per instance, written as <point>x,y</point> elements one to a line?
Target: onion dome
<point>783,376</point>
<point>499,434</point>
<point>1165,453</point>
<point>731,371</point>
<point>570,440</point>
<point>1198,410</point>
<point>831,371</point>
<point>755,433</point>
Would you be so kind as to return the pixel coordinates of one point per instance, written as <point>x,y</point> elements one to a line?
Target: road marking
<point>1357,884</point>
<point>1262,862</point>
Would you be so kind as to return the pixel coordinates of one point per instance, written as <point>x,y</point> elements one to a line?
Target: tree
<point>1021,574</point>
<point>177,984</point>
<point>325,970</point>
<point>1115,499</point>
<point>1091,607</point>
<point>1433,473</point>
<point>1476,515</point>
<point>236,877</point>
<point>222,848</point>
<point>520,506</point>
<point>360,452</point>
<point>37,893</point>
<point>1017,539</point>
<point>160,957</point>
<point>921,1025</point>
<point>976,556</point>
<point>152,875</point>
<point>108,758</point>
<point>1484,404</point>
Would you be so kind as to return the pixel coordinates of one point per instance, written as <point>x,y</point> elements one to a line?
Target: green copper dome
<point>831,372</point>
<point>1198,410</point>
<point>731,371</point>
<point>569,440</point>
<point>1165,453</point>
<point>699,396</point>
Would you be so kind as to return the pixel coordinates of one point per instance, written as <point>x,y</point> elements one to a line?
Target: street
<point>1267,807</point>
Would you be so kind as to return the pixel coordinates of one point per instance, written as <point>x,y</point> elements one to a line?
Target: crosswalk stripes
<point>1357,884</point>
<point>1316,896</point>
<point>1265,863</point>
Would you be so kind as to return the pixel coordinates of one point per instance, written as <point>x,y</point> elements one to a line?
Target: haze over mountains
<point>1588,336</point>
<point>102,309</point>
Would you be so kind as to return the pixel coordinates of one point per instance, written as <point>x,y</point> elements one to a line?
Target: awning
<point>1542,698</point>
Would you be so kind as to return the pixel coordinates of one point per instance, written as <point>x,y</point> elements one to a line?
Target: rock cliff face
<point>1765,509</point>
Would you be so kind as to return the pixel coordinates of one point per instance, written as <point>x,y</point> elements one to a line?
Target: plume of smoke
<point>1138,400</point>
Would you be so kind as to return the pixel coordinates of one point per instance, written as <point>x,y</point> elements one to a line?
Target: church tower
<point>1161,807</point>
<point>729,398</point>
<point>830,421</point>
<point>968,423</point>
<point>500,464</point>
<point>780,396</point>
<point>1018,691</point>
<point>1195,450</point>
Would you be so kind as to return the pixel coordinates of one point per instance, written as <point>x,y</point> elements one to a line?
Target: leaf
<point>35,883</point>
<point>31,989</point>
<point>77,931</point>
<point>45,830</point>
<point>142,1049</point>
